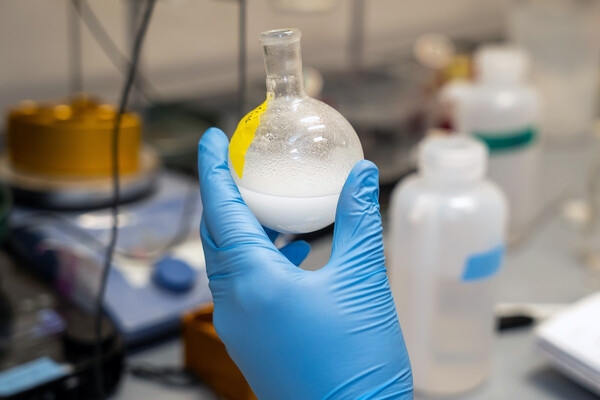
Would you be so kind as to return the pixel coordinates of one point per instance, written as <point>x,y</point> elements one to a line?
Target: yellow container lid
<point>71,139</point>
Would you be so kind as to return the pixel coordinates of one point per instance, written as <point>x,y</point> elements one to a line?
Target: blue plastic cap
<point>174,275</point>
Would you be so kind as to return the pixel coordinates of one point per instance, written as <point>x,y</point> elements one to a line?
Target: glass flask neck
<point>283,62</point>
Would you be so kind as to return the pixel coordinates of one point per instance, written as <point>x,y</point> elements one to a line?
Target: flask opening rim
<point>280,36</point>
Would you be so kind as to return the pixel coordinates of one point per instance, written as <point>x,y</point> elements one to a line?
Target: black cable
<point>75,57</point>
<point>242,70</point>
<point>110,49</point>
<point>173,376</point>
<point>116,190</point>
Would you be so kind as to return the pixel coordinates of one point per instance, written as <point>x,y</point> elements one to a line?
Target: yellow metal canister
<point>71,139</point>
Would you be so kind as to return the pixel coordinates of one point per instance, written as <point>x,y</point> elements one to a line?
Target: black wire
<point>75,57</point>
<point>110,49</point>
<point>170,376</point>
<point>242,70</point>
<point>173,376</point>
<point>137,47</point>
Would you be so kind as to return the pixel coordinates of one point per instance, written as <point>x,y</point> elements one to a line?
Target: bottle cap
<point>453,157</point>
<point>501,63</point>
<point>174,275</point>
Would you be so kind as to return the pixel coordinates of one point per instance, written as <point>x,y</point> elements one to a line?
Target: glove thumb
<point>357,238</point>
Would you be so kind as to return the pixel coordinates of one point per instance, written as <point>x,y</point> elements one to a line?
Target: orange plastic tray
<point>206,356</point>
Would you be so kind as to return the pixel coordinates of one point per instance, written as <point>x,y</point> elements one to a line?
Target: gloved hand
<point>295,334</point>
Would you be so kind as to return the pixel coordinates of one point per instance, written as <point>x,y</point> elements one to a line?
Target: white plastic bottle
<point>502,109</point>
<point>447,228</point>
<point>449,99</point>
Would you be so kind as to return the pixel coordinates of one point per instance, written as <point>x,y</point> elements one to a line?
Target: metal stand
<point>75,49</point>
<point>356,43</point>
<point>242,67</point>
<point>135,8</point>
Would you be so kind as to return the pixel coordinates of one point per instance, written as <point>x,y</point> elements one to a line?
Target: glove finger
<point>273,235</point>
<point>212,256</point>
<point>228,220</point>
<point>224,264</point>
<point>357,237</point>
<point>296,251</point>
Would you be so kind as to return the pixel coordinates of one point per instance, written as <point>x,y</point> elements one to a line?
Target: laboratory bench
<point>541,267</point>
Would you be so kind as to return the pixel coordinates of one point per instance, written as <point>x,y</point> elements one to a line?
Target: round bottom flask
<point>291,155</point>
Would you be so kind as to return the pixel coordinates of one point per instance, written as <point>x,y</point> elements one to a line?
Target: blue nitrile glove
<point>295,334</point>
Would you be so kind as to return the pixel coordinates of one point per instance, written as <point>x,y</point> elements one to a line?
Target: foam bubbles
<point>302,148</point>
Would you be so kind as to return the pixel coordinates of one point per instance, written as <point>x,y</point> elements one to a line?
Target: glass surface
<point>291,167</point>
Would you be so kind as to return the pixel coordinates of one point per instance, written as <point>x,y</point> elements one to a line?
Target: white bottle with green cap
<point>502,110</point>
<point>447,229</point>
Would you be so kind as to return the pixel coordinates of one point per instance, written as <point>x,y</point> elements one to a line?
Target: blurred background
<point>519,75</point>
<point>191,46</point>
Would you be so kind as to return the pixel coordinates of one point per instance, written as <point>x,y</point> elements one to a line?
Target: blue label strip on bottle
<point>29,375</point>
<point>480,266</point>
<point>503,141</point>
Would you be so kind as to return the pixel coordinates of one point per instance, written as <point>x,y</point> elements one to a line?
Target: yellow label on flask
<point>243,136</point>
